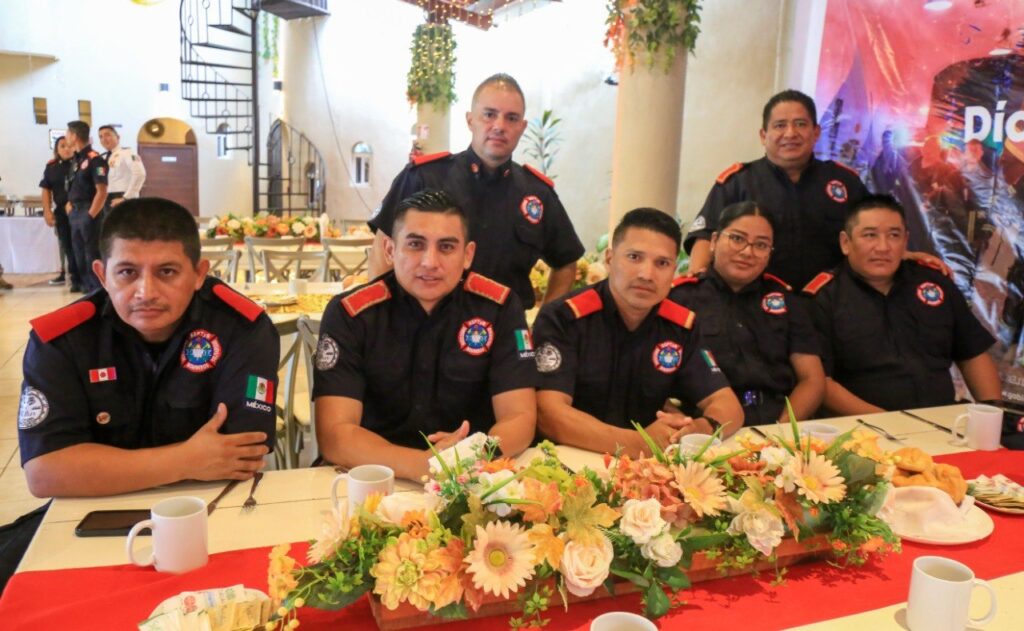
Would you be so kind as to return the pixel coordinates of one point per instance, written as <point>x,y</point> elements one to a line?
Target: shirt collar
<point>899,278</point>
<point>712,276</point>
<point>412,303</point>
<point>780,172</point>
<point>480,172</point>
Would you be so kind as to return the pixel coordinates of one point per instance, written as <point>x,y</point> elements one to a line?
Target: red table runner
<point>118,597</point>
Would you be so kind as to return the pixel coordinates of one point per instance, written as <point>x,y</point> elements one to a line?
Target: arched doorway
<point>167,148</point>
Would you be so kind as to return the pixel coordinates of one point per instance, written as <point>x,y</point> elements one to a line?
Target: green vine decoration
<point>652,28</point>
<point>432,74</point>
<point>270,28</point>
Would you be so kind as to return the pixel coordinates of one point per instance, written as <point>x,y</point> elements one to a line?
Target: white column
<point>648,137</point>
<point>432,126</point>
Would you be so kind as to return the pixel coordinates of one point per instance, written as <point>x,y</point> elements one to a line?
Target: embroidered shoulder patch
<point>585,303</point>
<point>247,308</point>
<point>430,157</point>
<point>52,325</point>
<point>362,299</point>
<point>483,286</point>
<point>819,281</point>
<point>537,173</point>
<point>677,314</point>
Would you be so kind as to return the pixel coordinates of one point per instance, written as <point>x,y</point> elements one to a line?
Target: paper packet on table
<point>224,609</point>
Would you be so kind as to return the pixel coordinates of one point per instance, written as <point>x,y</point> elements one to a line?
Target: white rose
<point>774,456</point>
<point>392,508</point>
<point>586,567</point>
<point>298,227</point>
<point>763,529</point>
<point>234,224</point>
<point>663,550</point>
<point>468,448</point>
<point>213,224</point>
<point>641,520</point>
<point>512,490</point>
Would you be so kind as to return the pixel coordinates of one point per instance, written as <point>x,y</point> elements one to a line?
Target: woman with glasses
<point>757,330</point>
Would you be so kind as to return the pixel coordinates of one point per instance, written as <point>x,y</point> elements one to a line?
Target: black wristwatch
<point>715,425</point>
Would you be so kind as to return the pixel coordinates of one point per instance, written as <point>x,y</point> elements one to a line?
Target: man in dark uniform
<point>424,349</point>
<point>615,351</point>
<point>807,197</point>
<point>163,375</point>
<point>56,179</point>
<point>88,194</point>
<point>890,328</point>
<point>515,217</point>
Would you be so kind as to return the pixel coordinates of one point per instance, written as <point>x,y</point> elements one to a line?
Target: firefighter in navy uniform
<point>806,197</point>
<point>87,194</point>
<point>890,328</point>
<point>758,330</point>
<point>55,183</point>
<point>423,350</point>
<point>615,351</point>
<point>515,217</point>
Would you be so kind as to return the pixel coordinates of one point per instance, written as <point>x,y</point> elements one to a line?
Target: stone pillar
<point>432,126</point>
<point>648,137</point>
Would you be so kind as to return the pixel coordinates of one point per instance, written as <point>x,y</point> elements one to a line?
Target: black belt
<point>115,195</point>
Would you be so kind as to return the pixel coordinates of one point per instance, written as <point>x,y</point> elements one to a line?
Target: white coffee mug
<point>179,535</point>
<point>940,595</point>
<point>821,431</point>
<point>298,286</point>
<point>690,444</point>
<point>621,621</point>
<point>984,425</point>
<point>363,481</point>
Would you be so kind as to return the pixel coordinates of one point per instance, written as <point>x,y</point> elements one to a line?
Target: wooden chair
<point>348,256</point>
<point>223,264</point>
<point>216,243</point>
<point>282,266</point>
<point>295,411</point>
<point>255,245</point>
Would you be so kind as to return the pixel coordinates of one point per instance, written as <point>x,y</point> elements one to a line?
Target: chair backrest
<point>348,256</point>
<point>281,266</point>
<point>309,337</point>
<point>216,243</point>
<point>223,263</point>
<point>255,245</point>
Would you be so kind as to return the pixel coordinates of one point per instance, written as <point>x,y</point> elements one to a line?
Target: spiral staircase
<point>220,81</point>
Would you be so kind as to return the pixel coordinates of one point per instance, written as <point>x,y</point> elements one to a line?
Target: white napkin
<point>925,511</point>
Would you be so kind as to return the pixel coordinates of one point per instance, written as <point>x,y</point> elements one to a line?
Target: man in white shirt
<point>127,173</point>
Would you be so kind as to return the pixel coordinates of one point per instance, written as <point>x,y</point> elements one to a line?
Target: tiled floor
<point>17,307</point>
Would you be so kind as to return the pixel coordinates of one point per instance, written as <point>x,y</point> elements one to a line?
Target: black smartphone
<point>111,523</point>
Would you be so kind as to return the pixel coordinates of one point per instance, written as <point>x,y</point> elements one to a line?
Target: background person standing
<point>54,189</point>
<point>127,173</point>
<point>87,194</point>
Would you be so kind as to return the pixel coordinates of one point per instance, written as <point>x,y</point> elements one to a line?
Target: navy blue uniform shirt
<point>90,170</point>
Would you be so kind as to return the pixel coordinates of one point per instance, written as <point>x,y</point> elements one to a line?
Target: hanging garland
<point>651,28</point>
<point>271,25</point>
<point>432,74</point>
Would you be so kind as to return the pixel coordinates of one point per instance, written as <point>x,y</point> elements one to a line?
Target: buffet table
<point>64,578</point>
<point>28,246</point>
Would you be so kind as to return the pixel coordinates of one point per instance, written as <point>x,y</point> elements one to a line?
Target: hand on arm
<point>91,469</point>
<point>723,406</point>
<point>565,425</point>
<point>809,392</point>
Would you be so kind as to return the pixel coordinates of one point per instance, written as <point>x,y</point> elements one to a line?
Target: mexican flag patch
<point>260,389</point>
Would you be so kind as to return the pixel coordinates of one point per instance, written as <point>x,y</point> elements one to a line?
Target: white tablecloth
<point>28,246</point>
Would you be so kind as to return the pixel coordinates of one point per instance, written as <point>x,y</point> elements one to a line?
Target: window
<point>361,156</point>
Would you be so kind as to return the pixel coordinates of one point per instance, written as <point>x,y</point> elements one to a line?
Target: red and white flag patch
<point>99,375</point>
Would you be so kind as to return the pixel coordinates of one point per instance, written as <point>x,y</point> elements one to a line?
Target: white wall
<point>114,53</point>
<point>557,54</point>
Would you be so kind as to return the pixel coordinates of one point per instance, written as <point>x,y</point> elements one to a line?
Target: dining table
<point>64,579</point>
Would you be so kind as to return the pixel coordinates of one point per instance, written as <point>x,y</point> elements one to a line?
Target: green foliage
<point>431,78</point>
<point>652,29</point>
<point>542,140</point>
<point>270,29</point>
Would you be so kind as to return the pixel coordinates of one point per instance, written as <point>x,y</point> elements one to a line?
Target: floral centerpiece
<point>589,270</point>
<point>265,224</point>
<point>489,529</point>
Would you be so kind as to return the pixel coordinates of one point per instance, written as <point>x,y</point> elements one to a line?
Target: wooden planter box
<point>789,552</point>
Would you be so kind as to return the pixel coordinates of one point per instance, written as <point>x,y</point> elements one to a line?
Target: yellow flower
<point>406,572</point>
<point>701,489</point>
<point>818,479</point>
<point>280,580</point>
<point>502,558</point>
<point>546,545</point>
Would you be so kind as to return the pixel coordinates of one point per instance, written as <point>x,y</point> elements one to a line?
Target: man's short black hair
<point>499,78</point>
<point>79,129</point>
<point>649,219</point>
<point>787,96</point>
<point>430,201</point>
<point>872,202</point>
<point>150,219</point>
<point>110,127</point>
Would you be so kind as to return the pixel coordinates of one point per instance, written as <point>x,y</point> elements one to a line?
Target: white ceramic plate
<point>979,525</point>
<point>995,507</point>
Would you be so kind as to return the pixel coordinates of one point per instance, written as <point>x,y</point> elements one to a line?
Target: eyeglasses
<point>738,243</point>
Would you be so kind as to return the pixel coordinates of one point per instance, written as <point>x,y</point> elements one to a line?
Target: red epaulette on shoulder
<point>585,303</point>
<point>684,280</point>
<point>52,325</point>
<point>818,282</point>
<point>430,157</point>
<point>845,166</point>
<point>677,313</point>
<point>365,297</point>
<point>930,264</point>
<point>773,277</point>
<point>728,173</point>
<point>249,309</point>
<point>92,154</point>
<point>537,173</point>
<point>483,286</point>
<point>51,162</point>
